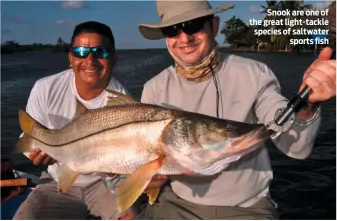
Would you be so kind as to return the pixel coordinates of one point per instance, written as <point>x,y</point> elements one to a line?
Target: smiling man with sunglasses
<point>232,87</point>
<point>54,101</point>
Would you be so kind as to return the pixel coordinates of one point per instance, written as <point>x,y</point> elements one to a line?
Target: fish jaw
<point>244,143</point>
<point>231,149</point>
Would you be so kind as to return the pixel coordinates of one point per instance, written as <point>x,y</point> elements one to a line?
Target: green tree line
<point>240,35</point>
<point>10,47</point>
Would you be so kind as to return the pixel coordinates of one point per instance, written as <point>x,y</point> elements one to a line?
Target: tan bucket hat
<point>174,12</point>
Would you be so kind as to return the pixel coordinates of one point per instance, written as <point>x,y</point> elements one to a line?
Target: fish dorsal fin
<point>80,109</point>
<point>134,185</point>
<point>119,99</point>
<point>170,106</point>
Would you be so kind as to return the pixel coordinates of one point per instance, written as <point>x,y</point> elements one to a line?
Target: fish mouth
<point>251,139</point>
<point>232,148</point>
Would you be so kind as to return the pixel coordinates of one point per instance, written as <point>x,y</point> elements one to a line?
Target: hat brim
<point>153,31</point>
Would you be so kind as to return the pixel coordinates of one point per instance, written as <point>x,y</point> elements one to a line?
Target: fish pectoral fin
<point>120,99</point>
<point>24,144</point>
<point>27,123</point>
<point>129,190</point>
<point>66,177</point>
<point>153,195</point>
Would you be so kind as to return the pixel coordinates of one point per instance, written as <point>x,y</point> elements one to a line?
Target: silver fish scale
<point>95,121</point>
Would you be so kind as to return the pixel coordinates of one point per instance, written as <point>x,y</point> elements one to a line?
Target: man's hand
<point>321,78</point>
<point>156,182</point>
<point>128,216</point>
<point>37,156</point>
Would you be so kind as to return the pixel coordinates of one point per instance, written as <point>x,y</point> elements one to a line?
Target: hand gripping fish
<point>140,140</point>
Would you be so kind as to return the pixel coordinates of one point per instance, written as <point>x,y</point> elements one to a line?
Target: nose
<point>91,59</point>
<point>183,37</point>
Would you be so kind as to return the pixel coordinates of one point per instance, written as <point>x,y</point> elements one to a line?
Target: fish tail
<point>24,144</point>
<point>27,123</point>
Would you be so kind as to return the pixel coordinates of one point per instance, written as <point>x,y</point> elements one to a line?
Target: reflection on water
<point>304,189</point>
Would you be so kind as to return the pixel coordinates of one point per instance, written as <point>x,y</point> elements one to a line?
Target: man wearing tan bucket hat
<point>202,80</point>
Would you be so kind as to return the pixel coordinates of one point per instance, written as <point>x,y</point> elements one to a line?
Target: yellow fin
<point>27,123</point>
<point>24,144</point>
<point>153,195</point>
<point>129,190</point>
<point>120,99</point>
<point>66,177</point>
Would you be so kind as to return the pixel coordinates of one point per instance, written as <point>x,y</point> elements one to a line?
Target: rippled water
<point>304,189</point>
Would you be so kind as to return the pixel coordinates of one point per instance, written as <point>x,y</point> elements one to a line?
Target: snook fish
<point>140,140</point>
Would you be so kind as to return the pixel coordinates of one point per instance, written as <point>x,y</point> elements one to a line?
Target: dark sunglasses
<point>189,27</point>
<point>97,52</point>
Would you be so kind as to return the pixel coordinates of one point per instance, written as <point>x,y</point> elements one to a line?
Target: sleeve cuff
<point>303,123</point>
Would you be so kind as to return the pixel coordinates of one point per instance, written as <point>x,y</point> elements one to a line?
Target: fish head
<point>222,139</point>
<point>204,144</point>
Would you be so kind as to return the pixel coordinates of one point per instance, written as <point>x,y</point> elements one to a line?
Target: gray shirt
<point>248,92</point>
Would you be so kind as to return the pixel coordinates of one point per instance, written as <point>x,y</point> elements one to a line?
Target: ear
<point>216,23</point>
<point>70,58</point>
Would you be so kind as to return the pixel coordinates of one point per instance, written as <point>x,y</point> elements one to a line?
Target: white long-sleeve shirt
<point>248,92</point>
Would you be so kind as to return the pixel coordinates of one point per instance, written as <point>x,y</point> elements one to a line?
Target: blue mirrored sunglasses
<point>97,52</point>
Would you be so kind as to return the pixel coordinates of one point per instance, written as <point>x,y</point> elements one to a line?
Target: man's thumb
<point>325,54</point>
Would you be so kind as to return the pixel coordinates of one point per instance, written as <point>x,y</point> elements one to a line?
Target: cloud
<point>67,22</point>
<point>15,19</point>
<point>255,9</point>
<point>71,4</point>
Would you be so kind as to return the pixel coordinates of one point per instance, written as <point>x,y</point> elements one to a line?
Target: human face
<point>193,48</point>
<point>92,71</point>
